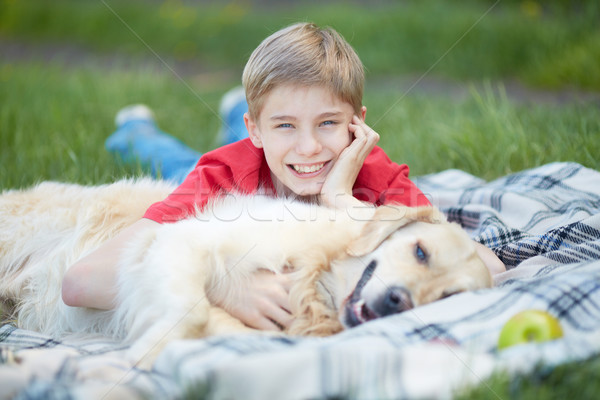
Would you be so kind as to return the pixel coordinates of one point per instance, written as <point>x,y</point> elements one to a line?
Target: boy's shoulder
<point>239,164</point>
<point>379,162</point>
<point>379,171</point>
<point>239,156</point>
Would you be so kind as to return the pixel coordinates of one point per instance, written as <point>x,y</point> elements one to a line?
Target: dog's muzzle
<point>356,310</point>
<point>396,299</point>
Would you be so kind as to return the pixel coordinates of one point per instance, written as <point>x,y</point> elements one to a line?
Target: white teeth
<point>357,308</point>
<point>305,169</point>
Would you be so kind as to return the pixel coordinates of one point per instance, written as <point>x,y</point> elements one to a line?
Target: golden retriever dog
<point>347,266</point>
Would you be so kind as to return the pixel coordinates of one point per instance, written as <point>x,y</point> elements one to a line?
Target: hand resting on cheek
<point>337,188</point>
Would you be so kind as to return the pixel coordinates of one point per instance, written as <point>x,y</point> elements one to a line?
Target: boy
<point>307,138</point>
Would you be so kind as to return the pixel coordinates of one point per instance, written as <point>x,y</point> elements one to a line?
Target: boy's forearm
<point>92,281</point>
<point>91,284</point>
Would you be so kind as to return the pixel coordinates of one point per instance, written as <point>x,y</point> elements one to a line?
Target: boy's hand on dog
<point>340,180</point>
<point>264,303</point>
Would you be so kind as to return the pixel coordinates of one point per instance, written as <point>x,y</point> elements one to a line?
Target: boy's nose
<point>308,144</point>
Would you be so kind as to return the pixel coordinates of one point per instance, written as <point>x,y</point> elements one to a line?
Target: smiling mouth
<point>306,169</point>
<point>356,310</point>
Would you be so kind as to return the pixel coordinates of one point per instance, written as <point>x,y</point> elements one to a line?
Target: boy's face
<point>302,131</point>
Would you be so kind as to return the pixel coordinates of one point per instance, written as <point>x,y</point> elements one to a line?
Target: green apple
<point>529,326</point>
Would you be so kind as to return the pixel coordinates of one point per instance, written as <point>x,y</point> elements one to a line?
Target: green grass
<point>569,381</point>
<point>546,43</point>
<point>53,124</point>
<point>55,117</point>
<point>485,134</point>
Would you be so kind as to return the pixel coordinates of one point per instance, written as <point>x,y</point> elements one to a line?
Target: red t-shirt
<point>241,168</point>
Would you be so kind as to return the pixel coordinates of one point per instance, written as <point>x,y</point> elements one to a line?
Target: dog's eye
<point>449,293</point>
<point>420,253</point>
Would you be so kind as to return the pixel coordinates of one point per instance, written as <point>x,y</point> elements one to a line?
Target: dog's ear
<point>388,219</point>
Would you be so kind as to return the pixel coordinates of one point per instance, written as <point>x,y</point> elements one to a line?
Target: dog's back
<point>45,229</point>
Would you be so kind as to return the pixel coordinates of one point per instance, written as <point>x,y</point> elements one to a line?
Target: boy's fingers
<point>284,281</point>
<point>365,140</point>
<point>266,324</point>
<point>276,317</point>
<point>282,313</point>
<point>271,315</point>
<point>361,129</point>
<point>282,300</point>
<point>282,318</point>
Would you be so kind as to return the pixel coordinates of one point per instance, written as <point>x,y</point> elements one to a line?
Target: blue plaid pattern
<point>543,223</point>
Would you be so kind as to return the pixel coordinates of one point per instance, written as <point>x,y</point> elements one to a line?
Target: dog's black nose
<point>395,300</point>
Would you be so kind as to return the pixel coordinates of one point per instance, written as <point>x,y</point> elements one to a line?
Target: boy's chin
<point>310,194</point>
<point>309,190</point>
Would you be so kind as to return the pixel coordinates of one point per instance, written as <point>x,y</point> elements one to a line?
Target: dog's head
<point>405,257</point>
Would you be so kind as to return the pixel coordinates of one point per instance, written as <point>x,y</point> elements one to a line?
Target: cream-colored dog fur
<point>347,266</point>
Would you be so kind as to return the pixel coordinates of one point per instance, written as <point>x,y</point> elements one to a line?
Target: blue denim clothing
<point>141,140</point>
<point>138,138</point>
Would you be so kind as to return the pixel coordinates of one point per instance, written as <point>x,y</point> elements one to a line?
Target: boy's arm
<point>489,258</point>
<point>91,281</point>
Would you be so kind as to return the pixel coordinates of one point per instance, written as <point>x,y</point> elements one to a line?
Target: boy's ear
<point>363,112</point>
<point>252,131</point>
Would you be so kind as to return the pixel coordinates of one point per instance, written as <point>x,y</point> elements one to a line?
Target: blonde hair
<point>303,54</point>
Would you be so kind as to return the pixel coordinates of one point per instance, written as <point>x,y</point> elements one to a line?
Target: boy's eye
<point>328,123</point>
<point>284,125</point>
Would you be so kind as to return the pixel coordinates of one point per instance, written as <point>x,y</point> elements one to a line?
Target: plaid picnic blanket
<point>544,223</point>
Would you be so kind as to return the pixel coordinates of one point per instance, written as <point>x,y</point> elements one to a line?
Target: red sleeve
<point>403,191</point>
<point>200,185</point>
<point>238,167</point>
<point>382,181</point>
